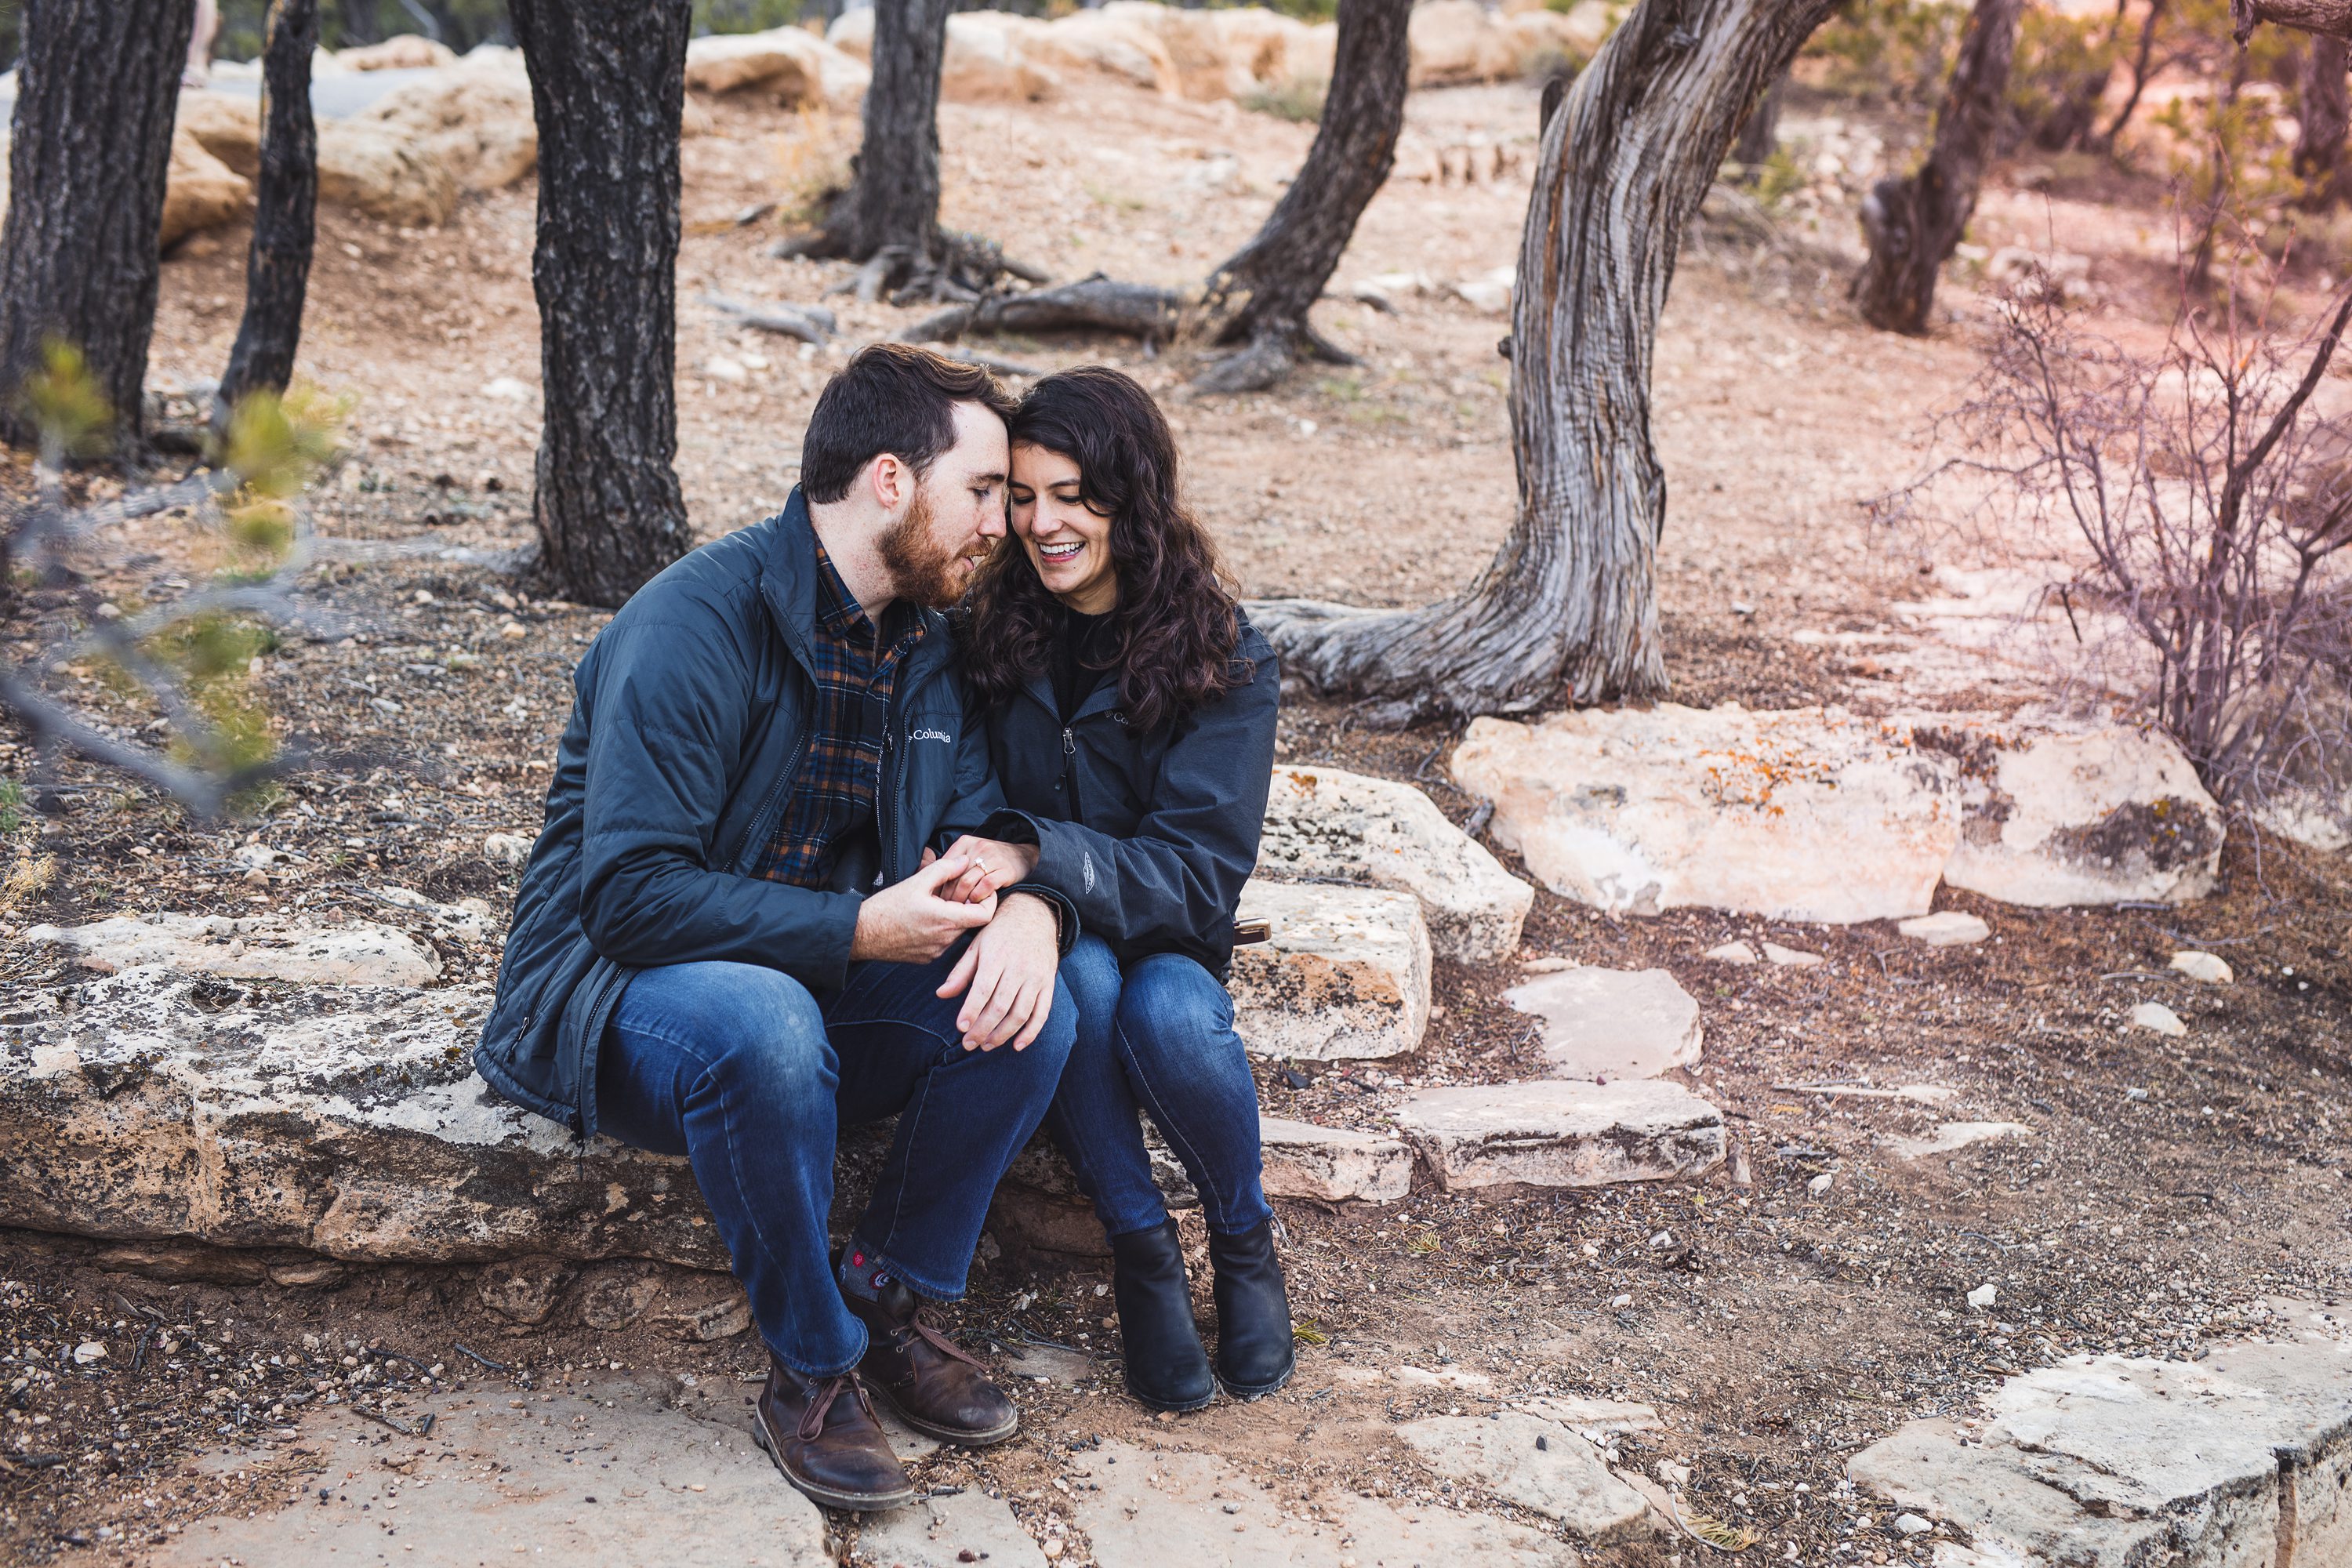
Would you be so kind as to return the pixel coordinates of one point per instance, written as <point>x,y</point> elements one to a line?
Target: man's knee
<point>757,1030</point>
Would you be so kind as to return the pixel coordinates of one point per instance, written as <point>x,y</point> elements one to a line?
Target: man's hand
<point>996,865</point>
<point>914,921</point>
<point>1007,975</point>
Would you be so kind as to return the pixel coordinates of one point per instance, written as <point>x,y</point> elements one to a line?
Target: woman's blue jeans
<point>750,1075</point>
<point>1158,1036</point>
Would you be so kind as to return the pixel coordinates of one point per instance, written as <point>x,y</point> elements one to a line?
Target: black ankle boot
<point>1166,1367</point>
<point>1253,1353</point>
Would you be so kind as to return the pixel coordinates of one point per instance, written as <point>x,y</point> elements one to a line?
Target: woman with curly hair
<point>1133,710</point>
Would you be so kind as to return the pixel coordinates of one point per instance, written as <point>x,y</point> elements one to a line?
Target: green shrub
<point>1300,99</point>
<point>1896,49</point>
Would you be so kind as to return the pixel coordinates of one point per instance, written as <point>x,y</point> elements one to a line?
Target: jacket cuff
<point>1009,827</point>
<point>1066,913</point>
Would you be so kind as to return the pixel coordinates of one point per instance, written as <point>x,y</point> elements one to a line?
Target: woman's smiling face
<point>1068,545</point>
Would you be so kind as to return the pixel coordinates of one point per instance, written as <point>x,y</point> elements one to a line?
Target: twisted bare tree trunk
<point>1260,295</point>
<point>2320,121</point>
<point>286,201</point>
<point>607,89</point>
<point>894,198</point>
<point>97,90</point>
<point>1914,223</point>
<point>1571,597</point>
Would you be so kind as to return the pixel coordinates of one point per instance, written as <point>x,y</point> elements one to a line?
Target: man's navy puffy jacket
<point>1150,832</point>
<point>688,724</point>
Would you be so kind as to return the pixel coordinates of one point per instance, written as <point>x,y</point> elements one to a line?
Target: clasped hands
<point>1006,975</point>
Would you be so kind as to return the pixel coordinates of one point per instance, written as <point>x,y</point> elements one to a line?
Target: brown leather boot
<point>920,1372</point>
<point>824,1436</point>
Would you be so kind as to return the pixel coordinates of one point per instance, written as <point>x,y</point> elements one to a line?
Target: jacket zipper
<point>887,816</point>
<point>1070,772</point>
<point>775,791</point>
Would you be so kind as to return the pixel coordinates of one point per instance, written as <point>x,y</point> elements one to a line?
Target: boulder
<point>249,948</point>
<point>200,192</point>
<point>1325,824</point>
<point>1806,814</point>
<point>381,171</point>
<point>1091,41</point>
<point>2056,815</point>
<point>1196,49</point>
<point>1611,1023</point>
<point>403,51</point>
<point>797,66</point>
<point>1265,50</point>
<point>1560,1133</point>
<point>151,1105</point>
<point>1455,42</point>
<point>1346,975</point>
<point>1303,1161</point>
<point>983,62</point>
<point>2242,1457</point>
<point>475,119</point>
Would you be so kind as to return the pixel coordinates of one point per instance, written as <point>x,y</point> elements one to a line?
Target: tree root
<point>954,267</point>
<point>809,324</point>
<point>1097,304</point>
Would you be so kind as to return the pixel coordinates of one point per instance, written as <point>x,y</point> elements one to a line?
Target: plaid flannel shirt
<point>856,670</point>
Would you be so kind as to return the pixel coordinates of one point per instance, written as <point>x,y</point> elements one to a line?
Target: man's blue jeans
<point>1158,1034</point>
<point>749,1074</point>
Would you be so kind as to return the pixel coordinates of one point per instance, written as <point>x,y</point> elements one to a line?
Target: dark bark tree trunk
<point>2144,65</point>
<point>285,200</point>
<point>894,200</point>
<point>1759,133</point>
<point>1914,224</point>
<point>1571,596</point>
<point>2320,121</point>
<point>1261,296</point>
<point>607,88</point>
<point>97,90</point>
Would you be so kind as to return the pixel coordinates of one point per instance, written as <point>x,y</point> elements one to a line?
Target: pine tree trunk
<point>894,201</point>
<point>1571,597</point>
<point>2320,121</point>
<point>607,88</point>
<point>1759,133</point>
<point>1261,296</point>
<point>1914,224</point>
<point>285,200</point>
<point>96,91</point>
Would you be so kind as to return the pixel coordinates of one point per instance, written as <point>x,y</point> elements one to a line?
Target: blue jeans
<point>1159,1035</point>
<point>750,1075</point>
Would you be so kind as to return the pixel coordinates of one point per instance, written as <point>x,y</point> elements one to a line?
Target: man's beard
<point>921,569</point>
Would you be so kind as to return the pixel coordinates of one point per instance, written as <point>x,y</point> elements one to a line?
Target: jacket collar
<point>788,586</point>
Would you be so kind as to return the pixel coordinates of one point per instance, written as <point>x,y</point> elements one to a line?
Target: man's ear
<point>891,481</point>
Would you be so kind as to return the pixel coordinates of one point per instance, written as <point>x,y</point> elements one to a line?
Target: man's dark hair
<point>894,398</point>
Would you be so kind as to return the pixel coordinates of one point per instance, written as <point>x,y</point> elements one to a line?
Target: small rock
<point>1982,1298</point>
<point>1789,957</point>
<point>718,1320</point>
<point>2156,1016</point>
<point>720,368</point>
<point>1954,1135</point>
<point>1911,1524</point>
<point>507,389</point>
<point>1820,1185</point>
<point>1602,1024</point>
<point>523,1289</point>
<point>2209,967</point>
<point>1662,1240</point>
<point>1546,965</point>
<point>505,848</point>
<point>1673,1474</point>
<point>309,1273</point>
<point>88,1352</point>
<point>1946,927</point>
<point>1734,953</point>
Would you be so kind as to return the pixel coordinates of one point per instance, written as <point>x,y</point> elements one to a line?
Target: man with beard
<point>754,914</point>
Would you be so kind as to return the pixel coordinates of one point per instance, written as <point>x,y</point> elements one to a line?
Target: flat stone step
<point>1303,1160</point>
<point>2118,1461</point>
<point>1325,822</point>
<point>1347,975</point>
<point>1539,1464</point>
<point>1554,1132</point>
<point>1612,1023</point>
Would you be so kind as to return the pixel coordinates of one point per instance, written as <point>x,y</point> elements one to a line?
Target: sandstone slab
<point>200,192</point>
<point>249,948</point>
<point>2243,1458</point>
<point>1347,973</point>
<point>983,62</point>
<point>632,1473</point>
<point>1560,1134</point>
<point>1612,1023</point>
<point>947,1533</point>
<point>2098,814</point>
<point>1534,1463</point>
<point>1303,1161</point>
<point>475,118</point>
<point>150,1105</point>
<point>1809,814</point>
<point>1329,825</point>
<point>1154,1510</point>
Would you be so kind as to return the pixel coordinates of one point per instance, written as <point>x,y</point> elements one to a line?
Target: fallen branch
<point>1097,304</point>
<point>991,363</point>
<point>809,324</point>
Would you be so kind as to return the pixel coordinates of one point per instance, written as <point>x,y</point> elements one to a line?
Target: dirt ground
<point>2172,1186</point>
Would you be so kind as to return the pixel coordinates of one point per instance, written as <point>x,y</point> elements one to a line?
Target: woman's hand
<point>1006,975</point>
<point>994,867</point>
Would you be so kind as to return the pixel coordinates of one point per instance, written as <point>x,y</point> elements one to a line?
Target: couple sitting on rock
<point>817,854</point>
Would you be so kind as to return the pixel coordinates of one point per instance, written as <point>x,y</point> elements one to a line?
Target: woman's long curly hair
<point>1175,627</point>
